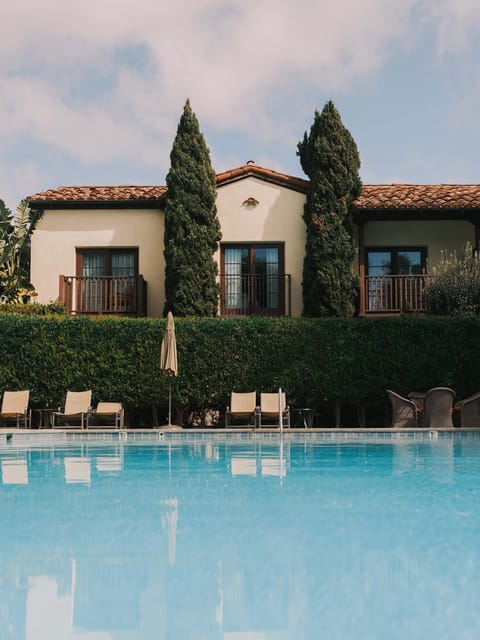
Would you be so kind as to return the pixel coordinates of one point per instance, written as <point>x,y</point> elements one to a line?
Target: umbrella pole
<point>170,403</point>
<point>280,409</point>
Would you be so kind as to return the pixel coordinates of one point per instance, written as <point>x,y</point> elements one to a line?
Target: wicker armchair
<point>469,411</point>
<point>438,408</point>
<point>404,411</point>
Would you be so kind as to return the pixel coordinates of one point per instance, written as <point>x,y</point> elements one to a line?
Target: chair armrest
<point>461,403</point>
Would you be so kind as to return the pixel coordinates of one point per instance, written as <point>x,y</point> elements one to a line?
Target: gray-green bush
<point>455,287</point>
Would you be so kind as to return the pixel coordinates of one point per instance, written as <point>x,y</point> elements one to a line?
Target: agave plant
<point>14,241</point>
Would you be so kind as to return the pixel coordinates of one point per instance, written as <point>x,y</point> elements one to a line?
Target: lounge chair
<point>469,411</point>
<point>405,411</point>
<point>269,410</point>
<point>77,407</point>
<point>15,408</point>
<point>242,407</point>
<point>438,408</point>
<point>108,414</point>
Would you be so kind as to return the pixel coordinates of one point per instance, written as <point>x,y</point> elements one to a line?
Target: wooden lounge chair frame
<point>77,407</point>
<point>15,408</point>
<point>243,406</point>
<point>269,411</point>
<point>108,414</point>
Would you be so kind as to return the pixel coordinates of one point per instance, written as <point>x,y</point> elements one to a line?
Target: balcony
<point>115,295</point>
<point>255,295</point>
<point>393,294</point>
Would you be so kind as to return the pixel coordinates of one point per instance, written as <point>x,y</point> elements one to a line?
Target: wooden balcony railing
<point>394,294</point>
<point>254,294</point>
<point>122,295</point>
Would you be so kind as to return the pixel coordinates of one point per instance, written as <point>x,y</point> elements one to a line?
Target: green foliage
<point>192,229</point>
<point>315,360</point>
<point>329,156</point>
<point>15,233</point>
<point>35,309</point>
<point>455,287</point>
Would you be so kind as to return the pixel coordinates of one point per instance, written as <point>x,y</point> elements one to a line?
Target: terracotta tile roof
<point>132,193</point>
<point>373,197</point>
<point>283,179</point>
<point>419,196</point>
<point>123,193</point>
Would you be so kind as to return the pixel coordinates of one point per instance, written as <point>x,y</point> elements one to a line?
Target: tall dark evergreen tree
<point>192,229</point>
<point>330,158</point>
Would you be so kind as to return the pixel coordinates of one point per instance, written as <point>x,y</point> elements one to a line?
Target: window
<point>252,279</point>
<point>106,279</point>
<point>394,281</point>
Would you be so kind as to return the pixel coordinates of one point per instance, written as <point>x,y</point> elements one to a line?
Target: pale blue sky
<point>92,92</point>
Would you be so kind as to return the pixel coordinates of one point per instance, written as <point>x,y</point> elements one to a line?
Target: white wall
<point>60,232</point>
<point>276,218</point>
<point>438,235</point>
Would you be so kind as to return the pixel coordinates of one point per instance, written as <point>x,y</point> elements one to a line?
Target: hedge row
<point>314,360</point>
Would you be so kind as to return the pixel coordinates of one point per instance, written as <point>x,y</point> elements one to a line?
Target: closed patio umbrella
<point>168,358</point>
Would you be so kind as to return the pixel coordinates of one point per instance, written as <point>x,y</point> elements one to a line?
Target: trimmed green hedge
<point>34,309</point>
<point>313,360</point>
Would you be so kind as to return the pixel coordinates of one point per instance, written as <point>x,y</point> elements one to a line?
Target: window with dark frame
<point>107,279</point>
<point>252,279</point>
<point>393,282</point>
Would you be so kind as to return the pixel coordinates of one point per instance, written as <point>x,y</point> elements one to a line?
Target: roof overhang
<point>361,216</point>
<point>43,205</point>
<point>267,175</point>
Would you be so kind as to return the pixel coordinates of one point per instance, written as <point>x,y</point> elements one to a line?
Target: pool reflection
<point>254,541</point>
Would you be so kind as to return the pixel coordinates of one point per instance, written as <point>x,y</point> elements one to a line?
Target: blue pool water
<point>240,537</point>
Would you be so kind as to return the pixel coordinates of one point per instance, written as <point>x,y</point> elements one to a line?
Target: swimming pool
<point>240,537</point>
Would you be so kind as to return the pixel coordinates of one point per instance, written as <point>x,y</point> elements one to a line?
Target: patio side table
<point>303,417</point>
<point>44,417</point>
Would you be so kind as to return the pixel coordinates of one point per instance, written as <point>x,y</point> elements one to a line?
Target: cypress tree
<point>330,158</point>
<point>192,229</point>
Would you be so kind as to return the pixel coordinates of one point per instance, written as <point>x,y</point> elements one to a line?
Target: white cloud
<point>457,23</point>
<point>228,57</point>
<point>70,79</point>
<point>21,179</point>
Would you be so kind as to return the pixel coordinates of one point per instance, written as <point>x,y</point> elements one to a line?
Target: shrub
<point>318,361</point>
<point>34,309</point>
<point>455,289</point>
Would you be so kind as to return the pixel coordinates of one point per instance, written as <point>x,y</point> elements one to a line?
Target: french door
<point>106,279</point>
<point>394,278</point>
<point>252,279</point>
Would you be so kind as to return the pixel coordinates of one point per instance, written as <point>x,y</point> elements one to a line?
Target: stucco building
<point>100,249</point>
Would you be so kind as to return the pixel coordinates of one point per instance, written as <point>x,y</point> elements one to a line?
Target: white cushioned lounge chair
<point>77,409</point>
<point>242,407</point>
<point>107,414</point>
<point>269,410</point>
<point>15,409</point>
